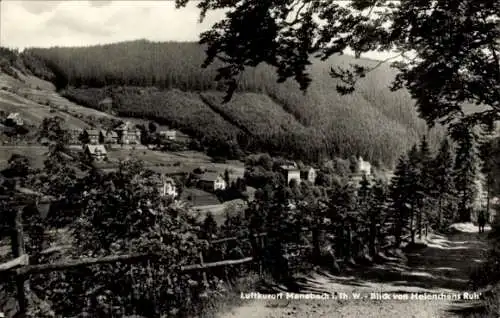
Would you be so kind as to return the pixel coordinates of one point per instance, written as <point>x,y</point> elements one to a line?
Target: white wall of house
<point>364,166</point>
<point>220,184</point>
<point>293,174</point>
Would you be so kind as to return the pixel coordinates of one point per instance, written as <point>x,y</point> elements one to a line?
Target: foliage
<point>122,213</point>
<point>465,172</point>
<point>262,116</point>
<point>51,128</point>
<point>461,66</point>
<point>18,166</point>
<point>444,191</point>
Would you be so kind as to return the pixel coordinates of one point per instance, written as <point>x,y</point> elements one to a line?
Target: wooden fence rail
<point>21,268</point>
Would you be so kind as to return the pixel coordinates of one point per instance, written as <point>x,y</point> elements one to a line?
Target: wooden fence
<point>21,269</point>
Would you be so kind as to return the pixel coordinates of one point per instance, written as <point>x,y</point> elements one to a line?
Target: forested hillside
<point>373,122</point>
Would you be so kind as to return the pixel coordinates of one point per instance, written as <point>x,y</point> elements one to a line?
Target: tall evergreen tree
<point>377,215</point>
<point>426,184</point>
<point>442,168</point>
<point>399,192</point>
<point>364,205</point>
<point>415,191</point>
<point>488,153</point>
<point>465,175</point>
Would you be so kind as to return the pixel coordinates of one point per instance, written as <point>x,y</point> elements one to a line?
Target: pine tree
<point>227,178</point>
<point>415,191</point>
<point>209,228</point>
<point>399,193</point>
<point>426,184</point>
<point>442,171</point>
<point>488,153</point>
<point>364,205</point>
<point>377,215</point>
<point>465,174</point>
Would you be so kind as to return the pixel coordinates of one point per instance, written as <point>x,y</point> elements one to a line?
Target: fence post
<point>224,255</point>
<point>17,243</point>
<point>205,280</point>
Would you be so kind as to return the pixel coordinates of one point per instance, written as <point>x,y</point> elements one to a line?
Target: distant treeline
<point>265,116</point>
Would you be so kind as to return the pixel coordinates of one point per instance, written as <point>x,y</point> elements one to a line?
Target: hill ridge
<point>373,122</point>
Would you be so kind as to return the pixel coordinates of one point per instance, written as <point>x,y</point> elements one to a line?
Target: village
<point>205,188</point>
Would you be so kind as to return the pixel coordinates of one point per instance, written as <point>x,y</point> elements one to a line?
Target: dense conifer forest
<point>267,116</point>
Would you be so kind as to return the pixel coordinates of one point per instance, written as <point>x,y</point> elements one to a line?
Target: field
<point>36,154</point>
<point>221,211</point>
<point>199,197</point>
<point>176,162</point>
<point>34,99</point>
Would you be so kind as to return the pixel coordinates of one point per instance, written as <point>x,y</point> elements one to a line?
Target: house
<point>211,182</point>
<point>364,167</point>
<point>290,172</point>
<point>169,134</point>
<point>93,136</point>
<point>169,188</point>
<point>128,134</point>
<point>109,136</point>
<point>165,185</point>
<point>14,119</point>
<point>106,104</point>
<point>96,152</point>
<point>309,174</point>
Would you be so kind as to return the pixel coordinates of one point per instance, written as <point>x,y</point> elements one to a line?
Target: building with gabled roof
<point>109,136</point>
<point>96,152</point>
<point>128,134</point>
<point>290,172</point>
<point>93,136</point>
<point>14,119</point>
<point>169,134</point>
<point>309,174</point>
<point>212,181</point>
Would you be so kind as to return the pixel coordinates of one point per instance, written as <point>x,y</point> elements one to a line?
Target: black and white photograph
<point>249,158</point>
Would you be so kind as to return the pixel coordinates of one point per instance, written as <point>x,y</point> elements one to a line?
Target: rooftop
<point>289,167</point>
<point>96,148</point>
<point>93,132</point>
<point>210,176</point>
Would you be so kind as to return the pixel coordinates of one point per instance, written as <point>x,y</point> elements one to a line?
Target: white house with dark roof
<point>96,152</point>
<point>309,174</point>
<point>14,119</point>
<point>364,167</point>
<point>128,134</point>
<point>212,181</point>
<point>169,134</point>
<point>106,104</point>
<point>290,172</point>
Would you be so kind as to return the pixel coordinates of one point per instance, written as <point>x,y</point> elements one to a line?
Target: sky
<point>40,23</point>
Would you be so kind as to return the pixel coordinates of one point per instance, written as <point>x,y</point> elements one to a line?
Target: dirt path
<point>441,267</point>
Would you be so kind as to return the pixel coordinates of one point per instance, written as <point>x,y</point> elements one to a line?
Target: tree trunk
<point>412,230</point>
<point>488,199</point>
<point>373,237</point>
<point>440,209</point>
<point>398,230</point>
<point>349,242</point>
<point>316,244</point>
<point>419,219</point>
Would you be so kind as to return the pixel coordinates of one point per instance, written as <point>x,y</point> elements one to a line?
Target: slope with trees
<point>369,122</point>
